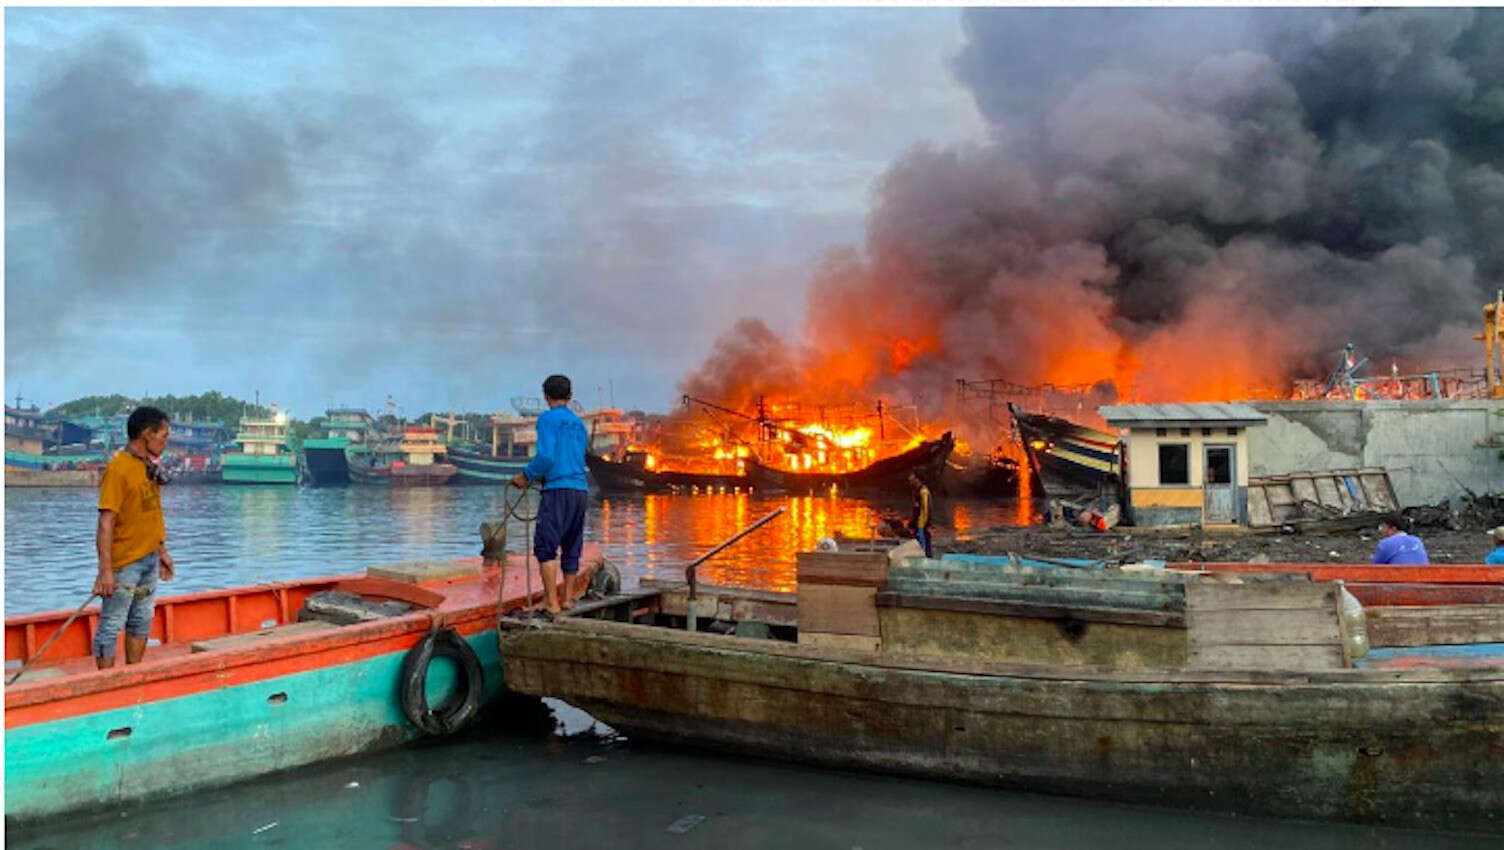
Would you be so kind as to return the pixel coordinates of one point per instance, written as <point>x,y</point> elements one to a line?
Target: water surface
<point>227,536</point>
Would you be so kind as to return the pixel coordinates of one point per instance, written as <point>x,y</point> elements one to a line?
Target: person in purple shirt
<point>1397,547</point>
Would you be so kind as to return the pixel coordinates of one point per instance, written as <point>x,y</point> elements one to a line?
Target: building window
<point>1160,432</point>
<point>1185,432</point>
<point>1232,432</point>
<point>1206,432</point>
<point>1174,463</point>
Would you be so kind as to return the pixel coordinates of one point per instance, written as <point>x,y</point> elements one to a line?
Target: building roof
<point>1181,415</point>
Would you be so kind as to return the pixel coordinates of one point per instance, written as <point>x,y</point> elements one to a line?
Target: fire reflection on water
<point>655,536</point>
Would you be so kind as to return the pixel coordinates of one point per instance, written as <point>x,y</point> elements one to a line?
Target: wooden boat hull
<point>1070,461</point>
<point>426,475</point>
<point>617,477</point>
<point>889,475</point>
<point>475,467</point>
<point>1355,745</point>
<point>184,721</point>
<point>16,476</point>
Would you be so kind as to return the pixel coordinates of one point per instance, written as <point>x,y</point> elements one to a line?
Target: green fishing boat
<point>263,457</point>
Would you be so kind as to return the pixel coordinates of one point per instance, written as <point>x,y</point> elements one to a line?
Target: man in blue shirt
<point>560,465</point>
<point>1397,547</point>
<point>1497,555</point>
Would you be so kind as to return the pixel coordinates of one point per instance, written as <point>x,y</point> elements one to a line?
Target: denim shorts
<point>128,609</point>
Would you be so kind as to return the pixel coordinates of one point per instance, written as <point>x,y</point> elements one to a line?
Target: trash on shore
<point>686,823</point>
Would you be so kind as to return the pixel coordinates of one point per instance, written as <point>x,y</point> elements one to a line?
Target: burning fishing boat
<point>780,447</point>
<point>1070,461</point>
<point>888,475</point>
<point>635,471</point>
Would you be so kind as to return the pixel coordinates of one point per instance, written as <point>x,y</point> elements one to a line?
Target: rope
<point>510,511</point>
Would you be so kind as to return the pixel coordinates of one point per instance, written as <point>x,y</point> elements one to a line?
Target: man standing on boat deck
<point>131,538</point>
<point>920,520</point>
<point>560,464</point>
<point>1397,547</point>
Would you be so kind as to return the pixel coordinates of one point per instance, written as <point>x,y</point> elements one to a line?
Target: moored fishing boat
<point>631,474</point>
<point>249,681</point>
<point>1162,688</point>
<point>263,457</point>
<point>324,458</point>
<point>415,459</point>
<point>513,439</point>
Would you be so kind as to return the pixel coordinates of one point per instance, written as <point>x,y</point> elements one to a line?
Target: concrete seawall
<point>1434,450</point>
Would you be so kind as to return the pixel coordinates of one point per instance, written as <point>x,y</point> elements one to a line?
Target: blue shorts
<point>127,608</point>
<point>561,528</point>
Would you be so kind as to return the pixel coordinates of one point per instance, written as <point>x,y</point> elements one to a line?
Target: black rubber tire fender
<point>463,705</point>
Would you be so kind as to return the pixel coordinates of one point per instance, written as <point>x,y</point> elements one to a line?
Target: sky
<point>322,207</point>
<point>332,206</point>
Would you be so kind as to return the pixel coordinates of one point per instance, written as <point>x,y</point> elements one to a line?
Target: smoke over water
<point>1189,204</point>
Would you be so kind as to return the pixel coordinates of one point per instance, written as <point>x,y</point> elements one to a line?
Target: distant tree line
<point>214,406</point>
<point>209,406</point>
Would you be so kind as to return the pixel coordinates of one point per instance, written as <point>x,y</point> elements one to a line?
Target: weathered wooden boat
<point>631,475</point>
<point>415,458</point>
<point>247,681</point>
<point>1069,461</point>
<point>1236,694</point>
<point>981,477</point>
<point>889,475</point>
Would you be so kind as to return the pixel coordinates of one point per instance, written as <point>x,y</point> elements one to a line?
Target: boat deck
<point>260,616</point>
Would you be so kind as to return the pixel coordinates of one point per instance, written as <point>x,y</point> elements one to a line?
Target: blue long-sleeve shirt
<point>562,442</point>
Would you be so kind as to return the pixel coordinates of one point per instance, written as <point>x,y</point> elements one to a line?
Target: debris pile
<point>1472,513</point>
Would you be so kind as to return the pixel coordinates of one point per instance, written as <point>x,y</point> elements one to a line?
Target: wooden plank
<point>1233,657</point>
<point>418,571</point>
<point>1427,574</point>
<point>735,606</point>
<point>1259,510</point>
<point>248,638</point>
<point>1379,594</point>
<point>1218,627</point>
<point>1039,610</point>
<point>849,643</point>
<point>856,568</point>
<point>1435,625</point>
<point>843,610</point>
<point>1212,595</point>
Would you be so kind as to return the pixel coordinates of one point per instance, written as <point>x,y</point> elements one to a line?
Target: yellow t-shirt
<point>137,503</point>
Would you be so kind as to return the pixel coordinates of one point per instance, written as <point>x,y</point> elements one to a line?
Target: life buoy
<point>462,705</point>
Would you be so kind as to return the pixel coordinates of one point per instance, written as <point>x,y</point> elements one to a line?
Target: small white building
<point>1186,463</point>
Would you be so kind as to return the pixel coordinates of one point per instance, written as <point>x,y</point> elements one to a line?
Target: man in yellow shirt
<point>131,539</point>
<point>921,520</point>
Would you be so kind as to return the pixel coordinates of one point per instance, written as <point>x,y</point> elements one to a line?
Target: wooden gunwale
<point>1403,574</point>
<point>1013,608</point>
<point>469,607</point>
<point>1003,669</point>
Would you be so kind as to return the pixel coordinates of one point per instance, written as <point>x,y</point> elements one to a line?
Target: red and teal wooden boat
<point>233,687</point>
